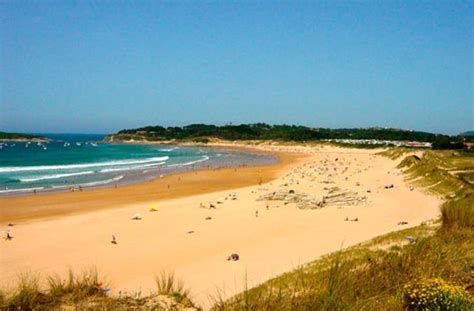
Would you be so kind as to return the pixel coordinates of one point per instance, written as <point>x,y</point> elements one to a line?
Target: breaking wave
<point>55,176</point>
<point>85,165</point>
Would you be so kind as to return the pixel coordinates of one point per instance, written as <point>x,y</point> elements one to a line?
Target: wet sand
<point>270,237</point>
<point>48,205</point>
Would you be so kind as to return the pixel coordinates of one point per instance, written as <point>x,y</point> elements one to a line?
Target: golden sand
<point>59,231</point>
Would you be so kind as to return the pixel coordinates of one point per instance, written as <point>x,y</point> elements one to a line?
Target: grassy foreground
<point>433,272</point>
<point>87,292</point>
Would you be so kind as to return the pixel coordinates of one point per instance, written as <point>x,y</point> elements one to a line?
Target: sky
<point>101,66</point>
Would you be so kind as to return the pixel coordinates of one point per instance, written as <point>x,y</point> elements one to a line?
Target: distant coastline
<point>18,137</point>
<point>361,137</point>
<point>78,162</point>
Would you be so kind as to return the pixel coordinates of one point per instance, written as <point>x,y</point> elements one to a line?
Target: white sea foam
<point>55,176</point>
<point>129,168</point>
<point>205,158</point>
<point>84,165</point>
<point>168,149</point>
<point>102,182</point>
<point>90,184</point>
<point>21,190</point>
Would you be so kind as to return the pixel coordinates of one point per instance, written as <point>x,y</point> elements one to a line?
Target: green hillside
<point>262,131</point>
<point>6,136</point>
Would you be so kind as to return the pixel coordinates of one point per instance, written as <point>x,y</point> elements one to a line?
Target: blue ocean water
<point>85,161</point>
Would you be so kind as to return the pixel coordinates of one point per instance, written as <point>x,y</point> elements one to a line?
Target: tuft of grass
<point>27,295</point>
<point>76,288</point>
<point>169,285</point>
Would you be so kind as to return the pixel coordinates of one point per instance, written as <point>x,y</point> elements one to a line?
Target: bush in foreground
<point>436,294</point>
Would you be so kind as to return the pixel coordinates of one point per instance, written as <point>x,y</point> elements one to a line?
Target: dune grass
<point>76,287</point>
<point>365,277</point>
<point>435,172</point>
<point>375,275</point>
<point>395,153</point>
<point>86,291</point>
<point>29,295</point>
<point>168,284</point>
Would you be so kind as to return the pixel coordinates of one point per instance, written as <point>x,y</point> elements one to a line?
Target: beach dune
<point>205,216</point>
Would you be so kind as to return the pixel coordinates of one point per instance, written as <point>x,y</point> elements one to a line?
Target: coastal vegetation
<point>432,294</point>
<point>18,136</point>
<point>262,131</point>
<point>87,291</point>
<point>428,267</point>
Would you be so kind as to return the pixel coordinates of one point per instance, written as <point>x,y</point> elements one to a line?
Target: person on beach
<point>233,257</point>
<point>256,213</point>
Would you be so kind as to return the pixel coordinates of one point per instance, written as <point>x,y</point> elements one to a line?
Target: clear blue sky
<point>100,66</point>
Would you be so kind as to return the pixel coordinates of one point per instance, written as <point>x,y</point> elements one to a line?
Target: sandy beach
<point>204,216</point>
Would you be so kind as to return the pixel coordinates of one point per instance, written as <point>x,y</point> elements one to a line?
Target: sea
<point>75,161</point>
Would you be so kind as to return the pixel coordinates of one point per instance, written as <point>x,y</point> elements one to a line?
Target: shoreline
<point>188,237</point>
<point>133,179</point>
<point>45,205</point>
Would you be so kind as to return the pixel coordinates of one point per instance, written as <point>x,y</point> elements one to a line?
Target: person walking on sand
<point>114,239</point>
<point>8,237</point>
